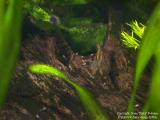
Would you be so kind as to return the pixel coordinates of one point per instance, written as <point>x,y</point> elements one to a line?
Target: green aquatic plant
<point>82,34</point>
<point>93,109</point>
<point>85,38</point>
<point>10,32</point>
<point>129,40</point>
<point>133,40</point>
<point>40,14</point>
<point>137,28</point>
<point>150,47</point>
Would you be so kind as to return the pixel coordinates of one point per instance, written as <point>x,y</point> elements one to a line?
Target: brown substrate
<point>108,74</point>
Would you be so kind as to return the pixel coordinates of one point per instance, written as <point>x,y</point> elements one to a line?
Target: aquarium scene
<point>79,60</point>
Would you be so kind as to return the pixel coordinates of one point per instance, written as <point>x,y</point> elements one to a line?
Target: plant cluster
<point>133,40</point>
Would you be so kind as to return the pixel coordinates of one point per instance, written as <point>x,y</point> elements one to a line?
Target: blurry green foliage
<point>40,14</point>
<point>10,32</point>
<point>82,33</point>
<point>133,40</point>
<point>93,109</point>
<point>150,47</point>
<point>85,38</point>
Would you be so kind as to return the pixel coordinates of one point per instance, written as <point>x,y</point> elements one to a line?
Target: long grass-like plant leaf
<point>9,42</point>
<point>93,109</point>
